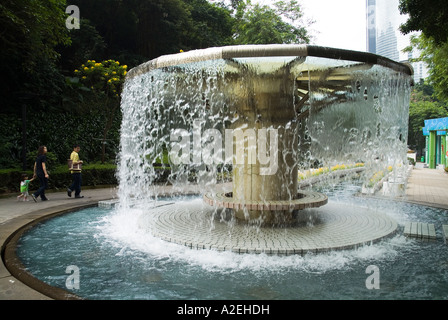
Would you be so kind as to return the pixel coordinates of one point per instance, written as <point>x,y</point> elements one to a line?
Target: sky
<point>338,23</point>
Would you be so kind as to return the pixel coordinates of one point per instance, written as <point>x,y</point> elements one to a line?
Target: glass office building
<point>384,37</point>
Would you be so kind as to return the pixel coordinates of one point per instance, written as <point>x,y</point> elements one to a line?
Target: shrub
<point>60,177</point>
<point>106,76</point>
<point>52,160</point>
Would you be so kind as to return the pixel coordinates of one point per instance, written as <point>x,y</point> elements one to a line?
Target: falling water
<point>341,113</point>
<point>338,113</point>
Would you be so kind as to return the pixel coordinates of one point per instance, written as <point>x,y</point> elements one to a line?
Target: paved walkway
<point>428,187</point>
<point>425,186</point>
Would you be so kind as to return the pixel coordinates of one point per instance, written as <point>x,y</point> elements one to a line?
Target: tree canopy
<point>262,24</point>
<point>30,32</point>
<point>424,105</point>
<point>430,19</point>
<point>428,16</point>
<point>436,58</point>
<point>39,56</point>
<point>38,51</point>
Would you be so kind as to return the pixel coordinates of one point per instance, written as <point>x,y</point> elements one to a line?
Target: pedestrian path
<point>428,187</point>
<point>425,186</point>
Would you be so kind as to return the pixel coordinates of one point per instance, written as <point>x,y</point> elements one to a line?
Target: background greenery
<point>429,18</point>
<point>58,86</point>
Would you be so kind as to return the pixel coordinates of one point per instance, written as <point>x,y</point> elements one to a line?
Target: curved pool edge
<point>15,281</point>
<point>18,286</point>
<point>26,286</point>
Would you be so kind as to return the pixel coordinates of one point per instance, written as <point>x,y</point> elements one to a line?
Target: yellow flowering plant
<point>302,175</point>
<point>106,76</point>
<point>100,85</point>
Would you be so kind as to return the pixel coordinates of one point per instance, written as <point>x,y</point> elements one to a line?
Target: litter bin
<point>422,159</point>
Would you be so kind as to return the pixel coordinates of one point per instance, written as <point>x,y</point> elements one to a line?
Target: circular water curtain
<point>258,113</point>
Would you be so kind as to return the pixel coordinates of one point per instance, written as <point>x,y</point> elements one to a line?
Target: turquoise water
<point>117,260</point>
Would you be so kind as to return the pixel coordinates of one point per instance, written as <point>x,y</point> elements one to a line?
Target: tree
<point>113,22</point>
<point>436,58</point>
<point>418,113</point>
<point>431,18</point>
<point>86,44</point>
<point>30,32</point>
<point>102,82</point>
<point>138,29</point>
<point>428,16</point>
<point>262,24</point>
<point>212,25</point>
<point>423,106</point>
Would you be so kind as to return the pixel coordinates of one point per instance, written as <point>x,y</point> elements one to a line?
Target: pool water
<point>118,260</point>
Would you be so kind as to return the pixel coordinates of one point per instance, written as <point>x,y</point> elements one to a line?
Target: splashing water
<point>327,113</point>
<point>118,260</point>
<point>333,112</point>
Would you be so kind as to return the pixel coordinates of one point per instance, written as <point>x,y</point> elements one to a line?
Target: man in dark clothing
<point>40,170</point>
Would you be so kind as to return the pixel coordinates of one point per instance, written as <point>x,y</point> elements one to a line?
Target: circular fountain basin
<point>120,261</point>
<point>332,227</point>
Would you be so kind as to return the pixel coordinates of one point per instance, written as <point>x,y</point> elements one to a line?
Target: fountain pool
<point>118,260</point>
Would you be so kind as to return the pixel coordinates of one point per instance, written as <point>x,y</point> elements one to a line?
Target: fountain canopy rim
<point>269,50</point>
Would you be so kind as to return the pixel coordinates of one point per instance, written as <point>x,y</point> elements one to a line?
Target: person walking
<point>40,171</point>
<point>75,170</point>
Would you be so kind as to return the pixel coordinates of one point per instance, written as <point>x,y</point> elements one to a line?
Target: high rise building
<point>384,37</point>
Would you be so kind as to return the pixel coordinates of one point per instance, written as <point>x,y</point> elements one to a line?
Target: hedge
<point>60,177</point>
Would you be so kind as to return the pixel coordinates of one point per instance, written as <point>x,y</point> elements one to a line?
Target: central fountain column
<point>264,102</point>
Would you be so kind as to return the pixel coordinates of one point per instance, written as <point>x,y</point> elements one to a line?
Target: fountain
<point>238,128</point>
<point>208,114</point>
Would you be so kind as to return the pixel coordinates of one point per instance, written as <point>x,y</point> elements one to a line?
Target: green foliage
<point>211,25</point>
<point>423,106</point>
<point>262,24</point>
<point>428,16</point>
<point>139,29</point>
<point>423,91</point>
<point>104,77</point>
<point>86,44</point>
<point>436,58</point>
<point>52,159</point>
<point>39,55</point>
<point>31,31</point>
<point>99,174</point>
<point>58,131</point>
<point>10,141</point>
<point>99,85</point>
<point>10,180</point>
